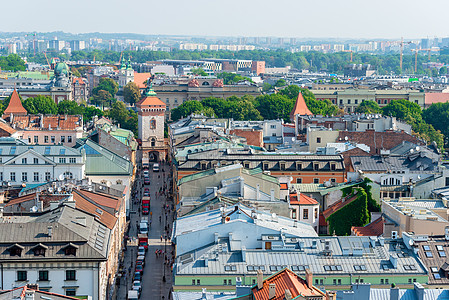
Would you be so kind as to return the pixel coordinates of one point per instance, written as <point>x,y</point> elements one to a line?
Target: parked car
<point>139,268</point>
<point>156,168</point>
<point>137,286</point>
<point>146,193</point>
<point>145,211</point>
<point>146,180</point>
<point>146,173</point>
<point>141,251</point>
<point>141,258</point>
<point>137,276</point>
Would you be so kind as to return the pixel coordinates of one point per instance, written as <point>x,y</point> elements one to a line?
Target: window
<point>46,139</point>
<point>36,176</point>
<point>333,180</point>
<point>316,167</point>
<point>316,213</point>
<point>356,101</point>
<point>335,281</point>
<point>429,254</point>
<point>225,282</point>
<point>36,139</point>
<point>15,251</point>
<point>12,176</point>
<point>62,160</point>
<point>316,180</point>
<point>153,124</point>
<point>24,161</point>
<point>176,100</point>
<point>318,140</point>
<point>22,276</point>
<point>305,214</point>
<point>298,180</point>
<point>294,214</point>
<point>36,161</point>
<point>321,281</point>
<point>47,176</point>
<point>70,251</point>
<point>68,175</point>
<point>339,281</point>
<point>1,176</point>
<point>153,142</point>
<point>24,176</point>
<point>53,139</point>
<point>193,281</point>
<point>382,281</point>
<point>265,166</point>
<point>282,165</point>
<point>409,280</point>
<point>341,102</point>
<point>254,281</point>
<point>198,282</point>
<point>70,275</point>
<point>333,167</point>
<point>70,292</point>
<point>273,126</point>
<point>72,160</point>
<point>39,251</point>
<point>43,275</point>
<point>69,139</point>
<point>62,139</point>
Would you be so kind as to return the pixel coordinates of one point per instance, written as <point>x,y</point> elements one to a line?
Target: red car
<point>146,180</point>
<point>139,268</point>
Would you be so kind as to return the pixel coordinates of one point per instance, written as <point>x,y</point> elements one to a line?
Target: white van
<point>133,295</point>
<point>143,228</point>
<point>156,167</point>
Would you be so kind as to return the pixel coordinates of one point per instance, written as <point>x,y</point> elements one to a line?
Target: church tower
<point>151,118</point>
<point>126,73</point>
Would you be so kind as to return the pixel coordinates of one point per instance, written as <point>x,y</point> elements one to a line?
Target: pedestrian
<point>160,219</point>
<point>161,238</point>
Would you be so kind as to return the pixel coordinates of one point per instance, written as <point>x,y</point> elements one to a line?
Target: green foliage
<point>368,107</point>
<point>274,106</point>
<point>131,93</point>
<point>90,112</point>
<point>411,113</point>
<point>12,62</point>
<point>68,107</point>
<point>40,105</point>
<point>353,214</point>
<point>75,72</point>
<point>266,87</point>
<point>280,83</point>
<point>102,98</point>
<point>185,109</point>
<point>198,72</point>
<point>290,91</point>
<point>438,116</point>
<point>106,84</point>
<point>126,118</point>
<point>232,78</point>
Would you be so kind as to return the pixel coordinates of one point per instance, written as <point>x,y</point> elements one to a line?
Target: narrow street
<point>155,269</point>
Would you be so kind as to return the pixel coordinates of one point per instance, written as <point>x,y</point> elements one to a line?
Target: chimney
<point>259,279</point>
<point>419,291</point>
<point>288,295</point>
<point>309,278</point>
<point>394,293</point>
<point>272,291</point>
<point>29,295</point>
<point>50,229</point>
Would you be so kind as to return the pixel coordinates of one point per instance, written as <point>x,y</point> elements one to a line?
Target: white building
<point>22,163</point>
<point>305,209</point>
<point>65,251</point>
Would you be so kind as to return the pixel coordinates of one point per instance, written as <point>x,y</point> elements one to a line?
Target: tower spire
<point>150,91</point>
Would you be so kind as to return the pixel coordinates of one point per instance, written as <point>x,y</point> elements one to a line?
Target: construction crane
<point>48,63</point>
<point>348,51</point>
<point>416,55</point>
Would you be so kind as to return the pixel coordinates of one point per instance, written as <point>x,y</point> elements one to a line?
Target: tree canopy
<point>368,107</point>
<point>12,62</point>
<point>131,93</point>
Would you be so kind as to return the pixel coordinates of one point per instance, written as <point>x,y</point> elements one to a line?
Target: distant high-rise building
<point>77,45</point>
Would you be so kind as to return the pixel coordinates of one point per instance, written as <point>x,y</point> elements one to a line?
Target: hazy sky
<point>288,18</point>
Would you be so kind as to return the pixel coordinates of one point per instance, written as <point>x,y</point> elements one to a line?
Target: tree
<point>232,78</point>
<point>118,112</point>
<point>90,112</point>
<point>106,84</point>
<point>102,98</point>
<point>280,83</point>
<point>75,72</point>
<point>67,107</point>
<point>266,87</point>
<point>185,109</point>
<point>368,107</point>
<point>443,71</point>
<point>274,106</point>
<point>404,110</point>
<point>198,72</point>
<point>40,105</point>
<point>12,62</point>
<point>131,93</point>
<point>290,91</point>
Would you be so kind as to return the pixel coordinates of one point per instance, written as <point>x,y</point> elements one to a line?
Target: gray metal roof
<point>68,225</point>
<point>373,257</point>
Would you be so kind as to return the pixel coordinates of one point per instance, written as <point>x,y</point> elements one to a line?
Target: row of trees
<point>268,107</point>
<point>314,61</point>
<point>12,62</point>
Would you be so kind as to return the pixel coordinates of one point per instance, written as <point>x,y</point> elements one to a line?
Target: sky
<point>390,19</point>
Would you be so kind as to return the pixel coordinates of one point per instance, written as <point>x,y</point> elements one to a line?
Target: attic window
<point>15,250</point>
<point>39,251</point>
<point>230,268</point>
<point>282,165</point>
<point>70,251</point>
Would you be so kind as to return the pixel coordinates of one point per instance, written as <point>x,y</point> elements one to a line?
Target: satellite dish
<point>59,189</point>
<point>108,183</point>
<point>33,209</point>
<point>50,190</point>
<point>410,242</point>
<point>61,177</point>
<point>346,138</point>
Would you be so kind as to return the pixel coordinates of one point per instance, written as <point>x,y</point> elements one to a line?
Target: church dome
<point>61,68</point>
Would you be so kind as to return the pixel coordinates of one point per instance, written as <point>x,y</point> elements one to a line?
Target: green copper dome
<point>61,68</point>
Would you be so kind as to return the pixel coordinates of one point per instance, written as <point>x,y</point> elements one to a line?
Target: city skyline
<point>326,19</point>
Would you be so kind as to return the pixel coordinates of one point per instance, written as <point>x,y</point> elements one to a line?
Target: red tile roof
<point>303,199</point>
<point>375,228</point>
<point>300,108</point>
<point>101,199</point>
<point>78,80</point>
<point>151,101</point>
<point>140,78</point>
<point>101,215</point>
<point>285,280</point>
<point>338,205</point>
<point>5,129</point>
<point>15,105</point>
<point>53,122</point>
<point>378,140</point>
<point>253,137</point>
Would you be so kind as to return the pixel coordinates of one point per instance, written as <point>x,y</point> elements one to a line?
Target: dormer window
<point>15,250</point>
<point>70,249</point>
<point>39,249</point>
<point>282,165</point>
